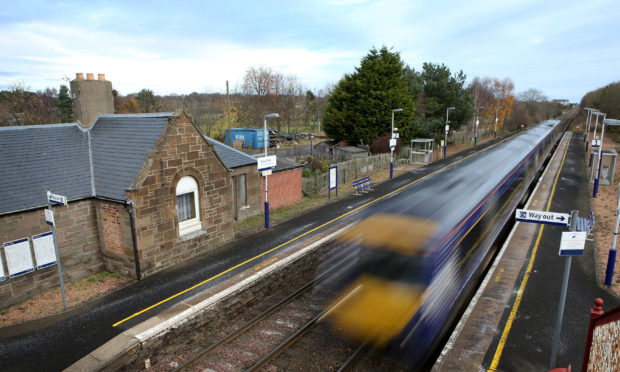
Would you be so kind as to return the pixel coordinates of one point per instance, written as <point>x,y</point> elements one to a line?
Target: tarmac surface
<point>56,342</point>
<point>511,326</point>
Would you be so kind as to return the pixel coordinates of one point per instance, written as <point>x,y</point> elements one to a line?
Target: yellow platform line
<point>296,238</point>
<point>515,307</point>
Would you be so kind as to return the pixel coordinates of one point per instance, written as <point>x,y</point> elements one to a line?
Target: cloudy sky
<point>563,48</point>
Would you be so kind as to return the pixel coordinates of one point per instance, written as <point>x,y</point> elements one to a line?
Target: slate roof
<point>119,145</point>
<point>58,157</point>
<point>33,158</point>
<point>231,157</point>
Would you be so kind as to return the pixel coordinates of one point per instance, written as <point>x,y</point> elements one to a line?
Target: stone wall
<point>284,188</point>
<point>78,245</point>
<point>181,151</point>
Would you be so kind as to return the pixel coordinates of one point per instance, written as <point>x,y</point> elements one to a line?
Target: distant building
<point>563,102</point>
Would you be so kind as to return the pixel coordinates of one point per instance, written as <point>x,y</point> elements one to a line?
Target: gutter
<point>129,207</point>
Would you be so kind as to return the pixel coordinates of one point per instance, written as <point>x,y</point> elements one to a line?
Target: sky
<point>562,48</point>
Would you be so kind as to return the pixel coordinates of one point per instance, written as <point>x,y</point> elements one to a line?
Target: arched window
<point>187,205</point>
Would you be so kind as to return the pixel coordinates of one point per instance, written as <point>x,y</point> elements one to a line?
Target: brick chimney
<point>91,97</point>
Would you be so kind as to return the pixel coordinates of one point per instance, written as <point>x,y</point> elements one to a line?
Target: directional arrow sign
<point>550,218</point>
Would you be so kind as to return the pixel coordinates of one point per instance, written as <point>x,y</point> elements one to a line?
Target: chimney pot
<point>79,75</point>
<point>90,76</point>
<point>101,77</point>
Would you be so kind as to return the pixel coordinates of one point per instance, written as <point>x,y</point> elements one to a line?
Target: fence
<point>347,172</point>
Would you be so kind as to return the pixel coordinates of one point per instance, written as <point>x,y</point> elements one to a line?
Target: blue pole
<point>266,214</point>
<point>391,169</point>
<point>591,156</point>
<point>444,151</point>
<point>595,187</point>
<point>587,143</point>
<point>611,262</point>
<point>475,140</point>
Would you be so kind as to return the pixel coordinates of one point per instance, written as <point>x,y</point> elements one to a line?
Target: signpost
<point>572,244</point>
<point>61,200</point>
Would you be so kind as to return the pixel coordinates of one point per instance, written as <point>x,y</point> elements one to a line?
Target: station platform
<point>510,323</point>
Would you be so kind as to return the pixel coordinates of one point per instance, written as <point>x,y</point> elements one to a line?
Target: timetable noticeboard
<point>18,257</point>
<point>44,252</point>
<point>2,277</point>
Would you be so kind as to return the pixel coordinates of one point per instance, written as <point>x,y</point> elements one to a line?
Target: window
<point>187,205</point>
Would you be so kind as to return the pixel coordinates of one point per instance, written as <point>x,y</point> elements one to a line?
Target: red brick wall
<point>284,188</point>
<point>181,151</point>
<point>78,245</point>
<point>115,237</point>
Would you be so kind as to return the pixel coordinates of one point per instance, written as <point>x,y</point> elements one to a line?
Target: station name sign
<point>550,218</point>
<point>266,162</point>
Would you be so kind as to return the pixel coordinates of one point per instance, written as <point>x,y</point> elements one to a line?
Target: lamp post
<point>392,147</point>
<point>611,258</point>
<point>600,155</point>
<point>586,136</point>
<point>476,128</point>
<point>445,142</point>
<point>597,113</point>
<point>496,114</point>
<point>266,141</point>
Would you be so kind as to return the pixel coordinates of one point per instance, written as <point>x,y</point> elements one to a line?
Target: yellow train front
<point>421,253</point>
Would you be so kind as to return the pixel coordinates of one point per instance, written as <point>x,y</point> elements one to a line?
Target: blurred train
<point>420,255</point>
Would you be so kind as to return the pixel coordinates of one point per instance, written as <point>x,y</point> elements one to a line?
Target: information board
<point>333,177</point>
<point>44,252</point>
<point>2,277</point>
<point>18,257</point>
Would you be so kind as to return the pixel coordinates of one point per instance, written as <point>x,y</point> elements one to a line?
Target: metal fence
<point>348,171</point>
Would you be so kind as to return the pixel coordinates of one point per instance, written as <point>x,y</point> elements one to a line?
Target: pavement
<point>56,342</point>
<point>510,325</point>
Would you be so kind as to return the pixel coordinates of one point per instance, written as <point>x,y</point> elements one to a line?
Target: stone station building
<point>144,190</point>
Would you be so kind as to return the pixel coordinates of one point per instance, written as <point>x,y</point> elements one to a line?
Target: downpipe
<point>129,207</point>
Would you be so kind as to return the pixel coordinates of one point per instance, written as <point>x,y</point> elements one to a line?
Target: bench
<point>585,224</point>
<point>362,185</point>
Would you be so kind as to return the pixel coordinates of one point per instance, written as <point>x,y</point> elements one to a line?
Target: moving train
<point>420,256</point>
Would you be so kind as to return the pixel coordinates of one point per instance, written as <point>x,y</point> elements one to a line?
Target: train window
<point>393,266</point>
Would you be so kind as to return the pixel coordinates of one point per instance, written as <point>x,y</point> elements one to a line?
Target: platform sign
<point>550,218</point>
<point>596,143</point>
<point>266,173</point>
<point>572,243</point>
<point>56,199</point>
<point>266,162</point>
<point>18,257</point>
<point>44,252</point>
<point>49,217</point>
<point>393,143</point>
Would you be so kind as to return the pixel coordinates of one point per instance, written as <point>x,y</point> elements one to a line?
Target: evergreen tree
<point>360,106</point>
<point>64,104</point>
<point>441,90</point>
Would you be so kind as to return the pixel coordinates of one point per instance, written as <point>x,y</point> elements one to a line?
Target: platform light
<point>391,148</point>
<point>266,141</point>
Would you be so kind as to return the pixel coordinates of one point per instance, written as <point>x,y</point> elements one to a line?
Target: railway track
<point>288,335</point>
